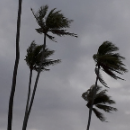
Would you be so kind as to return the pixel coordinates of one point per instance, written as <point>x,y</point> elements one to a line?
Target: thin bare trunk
<point>35,86</point>
<point>94,93</point>
<point>28,98</point>
<point>11,99</point>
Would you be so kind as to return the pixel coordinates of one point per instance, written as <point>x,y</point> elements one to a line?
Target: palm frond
<point>51,37</point>
<point>56,19</point>
<point>99,115</point>
<point>102,97</point>
<point>51,13</point>
<point>62,32</point>
<point>85,96</point>
<point>88,95</point>
<point>47,63</point>
<point>51,62</point>
<point>111,73</point>
<point>107,47</point>
<point>39,16</point>
<point>41,13</point>
<point>41,31</point>
<point>106,108</point>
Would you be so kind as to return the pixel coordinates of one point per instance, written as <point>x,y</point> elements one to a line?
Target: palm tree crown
<point>33,57</point>
<point>109,61</point>
<point>53,22</point>
<point>100,101</point>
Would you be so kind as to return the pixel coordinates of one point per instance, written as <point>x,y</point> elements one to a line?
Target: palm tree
<point>100,101</point>
<point>33,58</point>
<point>11,99</point>
<point>111,63</point>
<point>56,23</point>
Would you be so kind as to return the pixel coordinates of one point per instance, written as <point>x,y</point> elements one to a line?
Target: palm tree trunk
<point>28,98</point>
<point>94,93</point>
<point>11,99</point>
<point>35,86</point>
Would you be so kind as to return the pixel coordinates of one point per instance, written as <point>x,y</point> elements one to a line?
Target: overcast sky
<point>58,104</point>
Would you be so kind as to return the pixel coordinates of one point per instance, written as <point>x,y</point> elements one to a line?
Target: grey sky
<point>58,103</point>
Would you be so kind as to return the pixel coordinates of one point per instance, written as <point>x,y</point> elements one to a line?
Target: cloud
<point>58,103</point>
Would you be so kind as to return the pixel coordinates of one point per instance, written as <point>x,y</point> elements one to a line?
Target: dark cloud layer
<point>58,103</point>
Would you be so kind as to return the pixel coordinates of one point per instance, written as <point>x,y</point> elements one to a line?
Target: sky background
<point>58,103</point>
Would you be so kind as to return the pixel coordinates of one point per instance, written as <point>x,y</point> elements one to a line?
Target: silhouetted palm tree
<point>56,23</point>
<point>111,63</point>
<point>100,101</point>
<point>33,59</point>
<point>11,99</point>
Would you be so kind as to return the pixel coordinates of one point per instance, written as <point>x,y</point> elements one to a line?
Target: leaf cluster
<point>54,22</point>
<point>100,101</point>
<point>34,54</point>
<point>110,61</point>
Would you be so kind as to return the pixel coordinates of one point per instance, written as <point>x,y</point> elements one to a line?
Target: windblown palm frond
<point>99,115</point>
<point>40,15</point>
<point>106,108</point>
<point>100,101</point>
<point>102,97</point>
<point>110,62</point>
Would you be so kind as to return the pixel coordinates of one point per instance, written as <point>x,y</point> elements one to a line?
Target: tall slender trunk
<point>11,99</point>
<point>94,93</point>
<point>35,86</point>
<point>28,98</point>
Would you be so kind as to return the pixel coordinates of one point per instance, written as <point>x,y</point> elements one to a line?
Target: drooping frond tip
<point>106,108</point>
<point>99,115</point>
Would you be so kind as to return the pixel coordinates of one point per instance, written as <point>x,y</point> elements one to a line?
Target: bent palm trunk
<point>35,86</point>
<point>11,99</point>
<point>28,99</point>
<point>94,93</point>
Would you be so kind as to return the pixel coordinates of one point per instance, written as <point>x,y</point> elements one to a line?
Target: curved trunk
<point>94,93</point>
<point>11,99</point>
<point>35,86</point>
<point>28,99</point>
